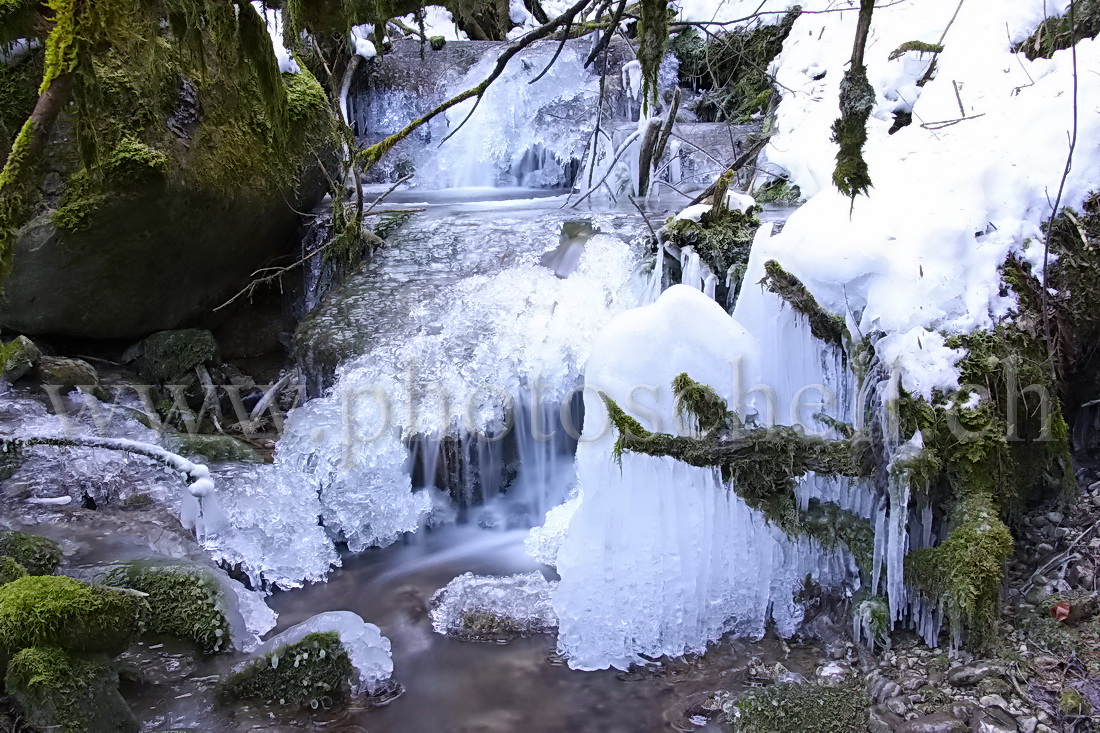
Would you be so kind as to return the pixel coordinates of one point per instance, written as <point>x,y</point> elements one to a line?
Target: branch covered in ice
<point>824,325</point>
<point>199,484</point>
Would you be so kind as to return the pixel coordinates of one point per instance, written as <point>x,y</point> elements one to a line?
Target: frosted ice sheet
<point>494,607</point>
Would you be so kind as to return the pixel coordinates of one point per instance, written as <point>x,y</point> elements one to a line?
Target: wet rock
<point>167,356</point>
<point>994,719</point>
<point>988,701</point>
<point>303,673</point>
<point>71,693</point>
<point>994,686</point>
<point>1028,724</point>
<point>834,673</point>
<point>898,705</point>
<point>56,611</point>
<point>488,608</point>
<point>934,723</point>
<point>882,688</point>
<point>969,675</point>
<point>882,720</point>
<point>68,374</point>
<point>964,710</point>
<point>24,355</point>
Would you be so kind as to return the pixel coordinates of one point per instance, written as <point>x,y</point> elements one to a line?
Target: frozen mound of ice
<point>661,558</point>
<point>494,608</point>
<point>368,649</point>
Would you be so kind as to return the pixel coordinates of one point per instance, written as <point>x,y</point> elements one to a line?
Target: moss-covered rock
<point>64,612</point>
<point>168,356</point>
<point>10,570</point>
<point>21,355</point>
<point>73,693</point>
<point>305,673</point>
<point>722,237</point>
<point>800,708</point>
<point>176,108</point>
<point>1057,33</point>
<point>68,374</point>
<point>38,555</point>
<point>183,600</point>
<point>217,448</point>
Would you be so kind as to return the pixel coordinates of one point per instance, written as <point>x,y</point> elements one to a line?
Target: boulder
<point>168,356</point>
<point>302,673</point>
<point>56,611</point>
<point>22,356</point>
<point>934,723</point>
<point>184,600</point>
<point>68,374</point>
<point>217,448</point>
<point>73,693</point>
<point>37,555</point>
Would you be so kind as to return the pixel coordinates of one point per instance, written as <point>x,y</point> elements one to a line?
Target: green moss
<point>731,68</point>
<point>73,693</point>
<point>483,625</point>
<point>133,161</point>
<point>652,37</point>
<point>966,570</point>
<point>825,326</point>
<point>437,42</point>
<point>185,601</point>
<point>38,555</point>
<point>305,98</point>
<point>722,237</point>
<point>218,448</point>
<point>1057,33</point>
<point>1072,702</point>
<point>10,570</point>
<point>18,94</point>
<point>873,618</point>
<point>80,200</point>
<point>309,672</point>
<point>799,708</point>
<point>702,404</point>
<point>779,192</point>
<point>918,46</point>
<point>57,611</point>
<point>137,501</point>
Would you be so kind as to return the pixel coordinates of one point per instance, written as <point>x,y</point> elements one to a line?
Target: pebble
<point>935,723</point>
<point>968,675</point>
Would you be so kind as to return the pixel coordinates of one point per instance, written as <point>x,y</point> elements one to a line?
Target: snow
<point>274,20</point>
<point>518,604</point>
<point>362,40</point>
<point>632,78</point>
<point>438,21</point>
<point>368,649</point>
<point>920,253</point>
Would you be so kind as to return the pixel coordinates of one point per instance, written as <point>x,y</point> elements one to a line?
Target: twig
<point>948,123</point>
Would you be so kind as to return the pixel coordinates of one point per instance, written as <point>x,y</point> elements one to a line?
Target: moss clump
<point>38,555</point>
<point>134,161</point>
<point>10,570</point>
<point>1072,702</point>
<point>799,708</point>
<point>857,98</point>
<point>824,326</point>
<point>779,192</point>
<point>137,501</point>
<point>306,673</point>
<point>218,448</point>
<point>185,601</point>
<point>437,42</point>
<point>722,237</point>
<point>80,200</point>
<point>731,68</point>
<point>1057,33</point>
<point>918,46</point>
<point>169,356</point>
<point>484,625</point>
<point>64,612</point>
<point>73,693</point>
<point>18,94</point>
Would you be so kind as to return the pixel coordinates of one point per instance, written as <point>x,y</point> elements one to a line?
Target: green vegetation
<point>857,98</point>
<point>72,693</point>
<point>918,46</point>
<point>722,237</point>
<point>185,601</point>
<point>37,555</point>
<point>825,326</point>
<point>304,673</point>
<point>779,192</point>
<point>798,708</point>
<point>53,610</point>
<point>1057,33</point>
<point>731,67</point>
<point>10,570</point>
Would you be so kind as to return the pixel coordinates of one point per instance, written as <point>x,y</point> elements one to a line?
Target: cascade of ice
<point>661,558</point>
<point>523,134</point>
<point>483,387</point>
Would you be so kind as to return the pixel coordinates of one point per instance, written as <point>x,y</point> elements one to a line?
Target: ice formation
<point>476,606</point>
<point>661,558</point>
<point>368,649</point>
